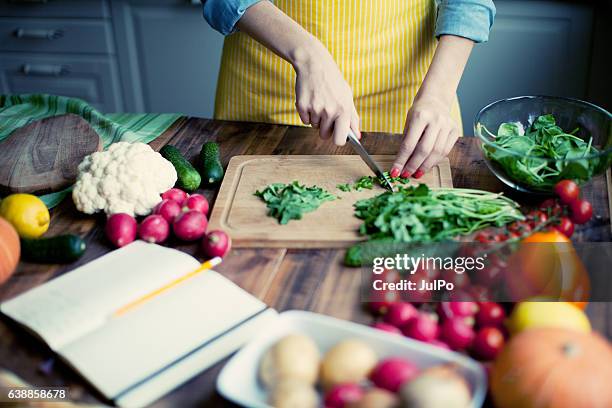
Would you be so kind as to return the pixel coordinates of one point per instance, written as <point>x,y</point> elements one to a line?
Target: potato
<point>294,356</point>
<point>349,361</point>
<point>437,387</point>
<point>376,398</point>
<point>292,393</point>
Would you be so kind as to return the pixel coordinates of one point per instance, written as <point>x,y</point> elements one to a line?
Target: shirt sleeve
<point>471,19</point>
<point>222,15</point>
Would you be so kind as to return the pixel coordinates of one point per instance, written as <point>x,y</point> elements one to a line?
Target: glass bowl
<point>527,171</point>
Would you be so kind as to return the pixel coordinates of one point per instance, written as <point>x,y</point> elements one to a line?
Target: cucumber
<point>188,177</point>
<point>210,163</point>
<point>60,249</point>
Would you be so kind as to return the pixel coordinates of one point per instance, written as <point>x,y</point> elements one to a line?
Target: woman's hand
<point>429,135</point>
<point>324,99</point>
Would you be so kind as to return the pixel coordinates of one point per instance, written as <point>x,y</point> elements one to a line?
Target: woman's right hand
<point>324,99</point>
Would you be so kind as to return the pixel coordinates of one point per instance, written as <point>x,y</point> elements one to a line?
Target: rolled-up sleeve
<point>222,15</point>
<point>471,19</point>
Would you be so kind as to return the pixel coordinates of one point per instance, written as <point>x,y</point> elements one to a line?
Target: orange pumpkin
<point>9,250</point>
<point>550,367</point>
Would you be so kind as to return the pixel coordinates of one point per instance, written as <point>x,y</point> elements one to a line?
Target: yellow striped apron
<point>383,48</point>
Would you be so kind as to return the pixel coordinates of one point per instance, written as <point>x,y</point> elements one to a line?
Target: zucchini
<point>188,177</point>
<point>210,163</point>
<point>60,249</point>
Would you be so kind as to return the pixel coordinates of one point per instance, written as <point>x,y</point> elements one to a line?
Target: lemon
<point>28,214</point>
<point>529,315</point>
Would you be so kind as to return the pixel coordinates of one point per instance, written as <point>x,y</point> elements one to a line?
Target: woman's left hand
<point>429,135</point>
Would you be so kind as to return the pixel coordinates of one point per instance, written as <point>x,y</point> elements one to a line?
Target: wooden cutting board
<point>43,156</point>
<point>242,215</point>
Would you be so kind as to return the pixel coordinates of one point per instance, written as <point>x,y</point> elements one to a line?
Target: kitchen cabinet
<point>169,56</point>
<point>60,47</point>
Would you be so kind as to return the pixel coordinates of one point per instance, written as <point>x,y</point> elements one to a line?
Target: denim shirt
<point>464,18</point>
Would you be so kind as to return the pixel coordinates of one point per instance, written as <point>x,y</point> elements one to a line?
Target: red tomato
<point>567,191</point>
<point>581,211</point>
<point>565,226</point>
<point>520,227</point>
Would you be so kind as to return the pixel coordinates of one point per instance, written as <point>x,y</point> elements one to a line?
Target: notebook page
<point>131,348</point>
<point>80,301</point>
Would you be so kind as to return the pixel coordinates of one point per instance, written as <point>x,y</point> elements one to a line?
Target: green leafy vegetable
<point>543,154</point>
<point>367,182</point>
<point>287,202</point>
<point>418,214</point>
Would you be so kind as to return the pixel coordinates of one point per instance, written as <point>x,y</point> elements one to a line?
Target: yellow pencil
<point>211,263</point>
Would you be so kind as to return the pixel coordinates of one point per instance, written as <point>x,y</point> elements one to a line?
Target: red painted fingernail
<point>405,174</point>
<point>418,173</point>
<point>394,172</point>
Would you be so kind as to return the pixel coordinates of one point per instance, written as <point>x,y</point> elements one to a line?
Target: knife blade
<point>365,156</point>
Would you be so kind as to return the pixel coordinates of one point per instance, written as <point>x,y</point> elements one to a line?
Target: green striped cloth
<point>19,110</point>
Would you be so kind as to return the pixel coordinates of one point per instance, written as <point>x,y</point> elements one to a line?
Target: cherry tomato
<point>567,191</point>
<point>565,226</point>
<point>551,207</point>
<point>536,218</point>
<point>581,211</point>
<point>520,227</point>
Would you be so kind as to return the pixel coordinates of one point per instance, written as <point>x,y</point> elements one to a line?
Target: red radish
<point>490,314</point>
<point>448,310</point>
<point>216,243</point>
<point>342,395</point>
<point>488,343</point>
<point>381,300</point>
<point>438,343</point>
<point>175,194</point>
<point>392,372</point>
<point>121,229</point>
<point>196,202</point>
<point>457,333</point>
<point>386,327</point>
<point>423,327</point>
<point>190,225</point>
<point>154,229</point>
<point>169,209</point>
<point>400,313</point>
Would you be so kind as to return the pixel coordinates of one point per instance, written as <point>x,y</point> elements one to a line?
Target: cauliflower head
<point>126,178</point>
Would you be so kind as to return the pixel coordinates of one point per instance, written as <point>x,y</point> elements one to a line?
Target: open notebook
<point>135,358</point>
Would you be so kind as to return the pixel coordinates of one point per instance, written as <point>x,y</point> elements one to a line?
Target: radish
<point>342,395</point>
<point>490,314</point>
<point>381,300</point>
<point>216,243</point>
<point>392,372</point>
<point>448,310</point>
<point>386,327</point>
<point>175,194</point>
<point>196,202</point>
<point>121,229</point>
<point>190,225</point>
<point>457,333</point>
<point>400,313</point>
<point>154,229</point>
<point>488,342</point>
<point>169,209</point>
<point>423,327</point>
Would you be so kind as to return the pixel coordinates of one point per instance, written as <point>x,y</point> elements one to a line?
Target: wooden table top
<point>312,280</point>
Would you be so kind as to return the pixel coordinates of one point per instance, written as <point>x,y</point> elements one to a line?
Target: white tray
<point>238,380</point>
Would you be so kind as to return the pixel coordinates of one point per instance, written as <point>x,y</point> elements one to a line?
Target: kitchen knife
<point>365,156</point>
